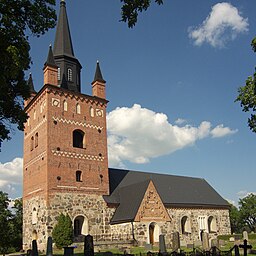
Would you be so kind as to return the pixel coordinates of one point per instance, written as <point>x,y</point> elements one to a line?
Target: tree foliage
<point>248,211</point>
<point>235,220</point>
<point>6,230</point>
<point>10,225</point>
<point>62,233</point>
<point>17,19</point>
<point>131,8</point>
<point>247,96</point>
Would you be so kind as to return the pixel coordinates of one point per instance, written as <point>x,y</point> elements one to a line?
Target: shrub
<point>62,233</point>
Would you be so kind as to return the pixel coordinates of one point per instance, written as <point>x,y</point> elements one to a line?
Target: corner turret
<point>98,84</point>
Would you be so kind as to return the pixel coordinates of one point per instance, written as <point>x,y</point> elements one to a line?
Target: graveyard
<point>236,244</point>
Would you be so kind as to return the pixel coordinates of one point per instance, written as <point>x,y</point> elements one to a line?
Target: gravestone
<point>162,246</point>
<point>175,241</point>
<point>245,246</point>
<point>205,241</point>
<point>237,253</point>
<point>214,242</point>
<point>245,235</point>
<point>49,246</point>
<point>231,239</point>
<point>88,246</point>
<point>68,250</point>
<point>34,248</point>
<point>148,247</point>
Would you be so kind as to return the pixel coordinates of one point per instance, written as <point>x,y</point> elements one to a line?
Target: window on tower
<point>78,176</point>
<point>69,74</point>
<point>36,139</point>
<point>78,108</point>
<point>32,143</point>
<point>78,139</point>
<point>58,74</point>
<point>65,105</point>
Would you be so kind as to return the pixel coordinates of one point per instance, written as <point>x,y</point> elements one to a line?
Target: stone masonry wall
<point>94,209</point>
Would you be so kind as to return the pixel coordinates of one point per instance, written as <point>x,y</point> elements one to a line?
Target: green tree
<point>17,221</point>
<point>247,96</point>
<point>62,233</point>
<point>18,19</point>
<point>6,229</point>
<point>131,8</point>
<point>248,211</point>
<point>235,219</point>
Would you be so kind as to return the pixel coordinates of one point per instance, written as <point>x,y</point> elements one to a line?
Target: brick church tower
<point>65,144</point>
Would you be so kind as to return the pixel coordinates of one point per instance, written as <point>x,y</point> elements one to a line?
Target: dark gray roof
<point>127,189</point>
<point>63,42</point>
<point>98,75</point>
<point>50,59</point>
<point>31,84</point>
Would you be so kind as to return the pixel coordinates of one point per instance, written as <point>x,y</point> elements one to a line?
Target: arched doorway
<point>154,232</point>
<point>80,227</point>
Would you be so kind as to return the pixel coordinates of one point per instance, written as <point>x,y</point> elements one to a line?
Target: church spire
<point>69,67</point>
<point>50,59</point>
<point>63,42</point>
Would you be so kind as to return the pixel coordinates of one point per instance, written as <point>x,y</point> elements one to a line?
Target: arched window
<point>78,108</point>
<point>36,139</point>
<point>32,143</point>
<point>70,74</point>
<point>58,74</point>
<point>78,139</point>
<point>91,112</point>
<point>212,225</point>
<point>185,225</point>
<point>78,176</point>
<point>65,105</point>
<point>34,216</point>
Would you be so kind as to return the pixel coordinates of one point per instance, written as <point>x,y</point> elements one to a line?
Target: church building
<point>66,169</point>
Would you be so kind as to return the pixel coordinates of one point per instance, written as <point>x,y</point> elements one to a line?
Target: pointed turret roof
<point>98,75</point>
<point>50,59</point>
<point>63,42</point>
<point>31,84</point>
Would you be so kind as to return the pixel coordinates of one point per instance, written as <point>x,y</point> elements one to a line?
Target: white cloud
<point>138,134</point>
<point>221,131</point>
<point>11,176</point>
<point>223,24</point>
<point>180,121</point>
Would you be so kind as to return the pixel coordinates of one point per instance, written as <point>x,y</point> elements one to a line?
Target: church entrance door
<point>151,233</point>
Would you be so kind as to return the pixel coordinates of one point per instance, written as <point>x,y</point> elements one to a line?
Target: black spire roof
<point>69,66</point>
<point>98,75</point>
<point>31,84</point>
<point>50,59</point>
<point>63,42</point>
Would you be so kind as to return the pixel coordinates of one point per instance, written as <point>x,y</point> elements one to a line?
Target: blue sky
<point>171,85</point>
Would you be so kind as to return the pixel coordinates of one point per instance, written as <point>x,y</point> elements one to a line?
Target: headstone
<point>205,241</point>
<point>237,237</point>
<point>68,250</point>
<point>34,248</point>
<point>49,246</point>
<point>175,241</point>
<point>88,246</point>
<point>231,239</point>
<point>148,247</point>
<point>237,253</point>
<point>214,242</point>
<point>162,246</point>
<point>29,252</point>
<point>245,235</point>
<point>245,246</point>
<point>190,246</point>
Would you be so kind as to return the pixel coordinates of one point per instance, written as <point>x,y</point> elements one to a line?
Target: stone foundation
<point>39,220</point>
